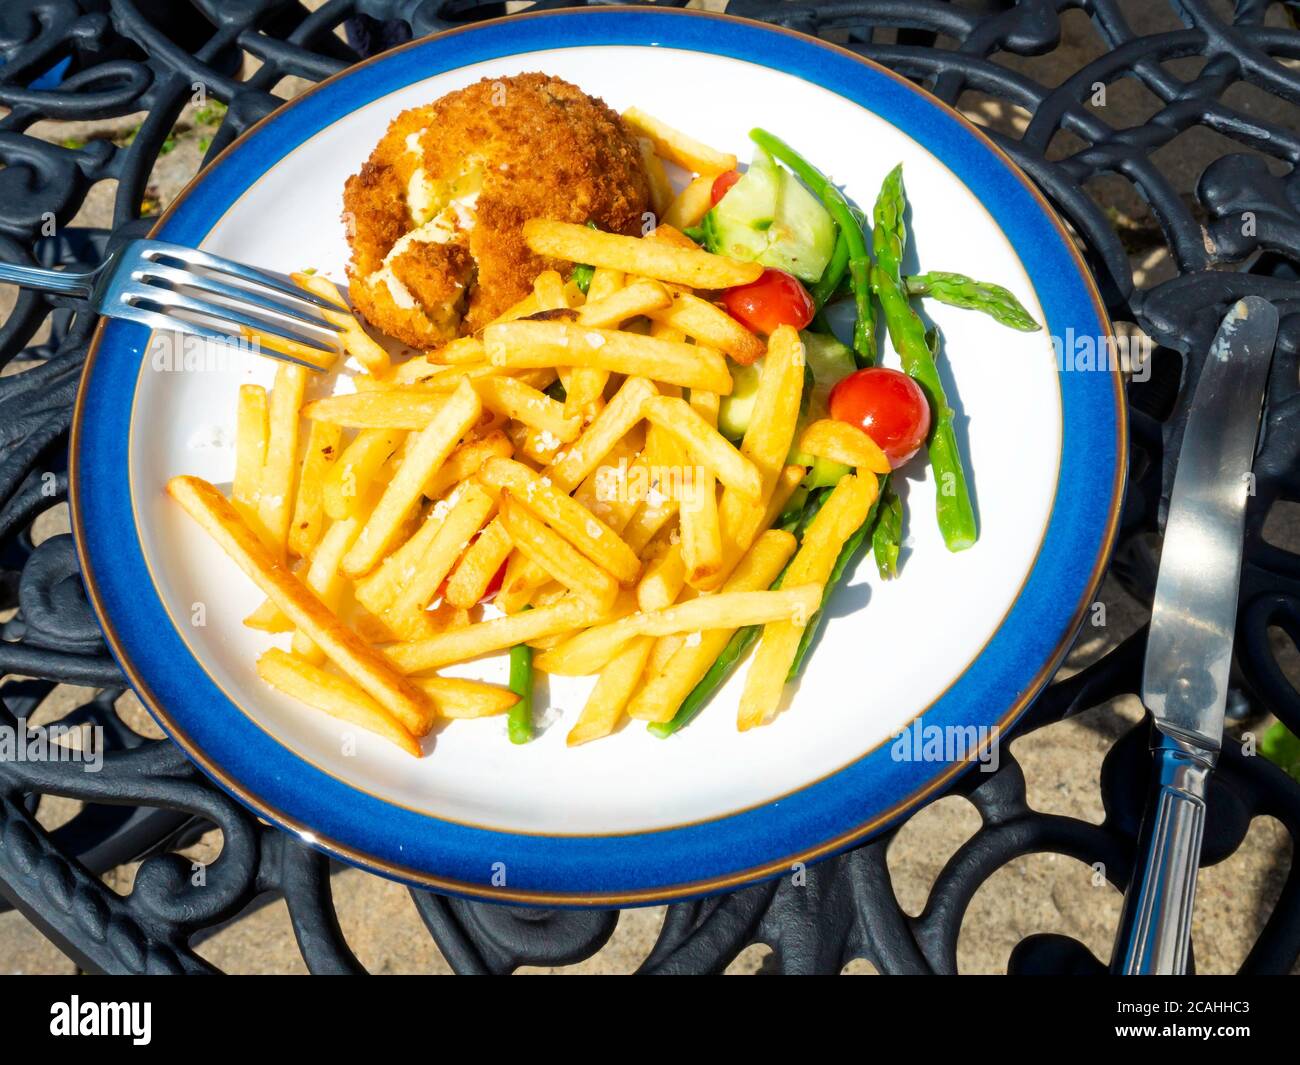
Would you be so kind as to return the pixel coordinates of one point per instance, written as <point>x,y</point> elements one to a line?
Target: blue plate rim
<point>551,862</point>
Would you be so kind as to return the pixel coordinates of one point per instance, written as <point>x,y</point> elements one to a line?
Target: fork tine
<point>169,299</point>
<point>160,321</point>
<point>213,286</point>
<point>208,261</point>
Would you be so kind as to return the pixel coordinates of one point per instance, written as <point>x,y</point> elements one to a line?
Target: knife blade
<point>1193,617</point>
<point>1189,646</point>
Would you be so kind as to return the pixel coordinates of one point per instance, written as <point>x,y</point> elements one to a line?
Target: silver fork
<point>169,286</point>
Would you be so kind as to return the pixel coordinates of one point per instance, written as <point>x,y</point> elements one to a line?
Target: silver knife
<point>1189,647</point>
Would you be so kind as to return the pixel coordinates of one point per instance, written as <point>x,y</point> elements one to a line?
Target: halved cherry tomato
<point>722,184</point>
<point>886,405</point>
<point>776,298</point>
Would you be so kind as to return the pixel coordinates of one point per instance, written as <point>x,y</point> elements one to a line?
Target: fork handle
<point>1156,924</point>
<point>63,282</point>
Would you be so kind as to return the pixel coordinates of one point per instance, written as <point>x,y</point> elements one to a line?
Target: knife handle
<point>1155,928</point>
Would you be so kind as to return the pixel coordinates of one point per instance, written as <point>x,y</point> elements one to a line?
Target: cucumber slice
<point>826,361</point>
<point>802,239</point>
<point>825,473</point>
<point>737,227</point>
<point>735,410</point>
<point>769,217</point>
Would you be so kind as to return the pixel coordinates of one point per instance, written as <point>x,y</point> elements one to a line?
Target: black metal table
<point>1239,234</point>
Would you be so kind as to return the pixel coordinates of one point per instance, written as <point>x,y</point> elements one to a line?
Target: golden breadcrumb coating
<point>434,217</point>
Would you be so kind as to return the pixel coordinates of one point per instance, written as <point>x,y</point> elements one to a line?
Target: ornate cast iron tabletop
<point>1200,70</point>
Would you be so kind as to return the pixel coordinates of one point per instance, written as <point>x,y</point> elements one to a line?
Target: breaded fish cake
<point>434,216</point>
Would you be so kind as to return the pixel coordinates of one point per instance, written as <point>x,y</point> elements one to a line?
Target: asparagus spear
<point>709,683</point>
<point>520,722</point>
<point>908,335</point>
<point>834,272</point>
<point>888,533</point>
<point>962,291</point>
<point>864,328</point>
<point>792,520</point>
<point>581,276</point>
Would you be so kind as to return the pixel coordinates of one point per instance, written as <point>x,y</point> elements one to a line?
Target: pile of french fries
<point>630,539</point>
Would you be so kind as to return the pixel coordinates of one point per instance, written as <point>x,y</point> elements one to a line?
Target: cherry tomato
<point>886,405</point>
<point>774,299</point>
<point>722,184</point>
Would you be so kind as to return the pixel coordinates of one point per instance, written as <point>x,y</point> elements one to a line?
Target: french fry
<point>771,428</point>
<point>429,450</point>
<point>548,288</point>
<point>711,326</point>
<point>324,579</point>
<point>259,342</point>
<point>655,259</point>
<point>585,394</point>
<point>705,444</point>
<point>522,309</point>
<point>407,580</point>
<point>535,446</point>
<point>382,409</point>
<point>755,523</point>
<point>691,204</point>
<point>458,352</point>
<point>251,433</point>
<point>454,697</point>
<point>650,518</point>
<point>268,617</point>
<point>485,637</point>
<point>275,504</point>
<point>661,189</point>
<point>469,581</point>
<point>348,484</point>
<point>433,381</point>
<point>356,341</point>
<point>663,580</point>
<point>556,555</point>
<point>537,344</point>
<point>616,419</point>
<point>672,236</point>
<point>676,146</point>
<point>607,490</point>
<point>431,566</point>
<point>604,282</point>
<point>548,595</point>
<point>640,297</point>
<point>841,442</point>
<point>839,517</point>
<point>466,460</point>
<point>523,577</point>
<point>617,682</point>
<point>701,543</point>
<point>304,609</point>
<point>308,683</point>
<point>766,444</point>
<point>308,521</point>
<point>663,692</point>
<point>514,399</point>
<point>590,650</point>
<point>569,518</point>
<point>662,652</point>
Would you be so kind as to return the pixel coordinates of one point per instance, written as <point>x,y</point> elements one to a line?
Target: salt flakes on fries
<point>376,531</point>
